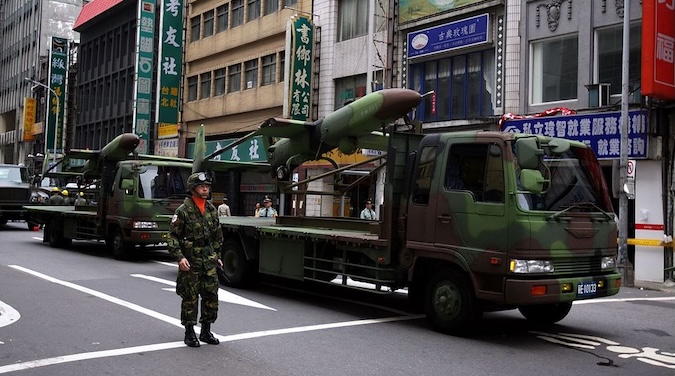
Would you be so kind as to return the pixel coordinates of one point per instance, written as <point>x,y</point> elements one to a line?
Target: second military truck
<point>131,205</point>
<point>472,222</point>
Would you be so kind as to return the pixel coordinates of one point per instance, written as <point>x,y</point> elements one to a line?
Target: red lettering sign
<point>658,49</point>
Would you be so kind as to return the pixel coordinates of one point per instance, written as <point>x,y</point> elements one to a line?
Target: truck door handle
<point>444,218</point>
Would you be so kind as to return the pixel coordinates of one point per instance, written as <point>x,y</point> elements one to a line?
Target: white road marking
<point>621,300</point>
<point>172,345</point>
<point>223,295</point>
<point>8,315</point>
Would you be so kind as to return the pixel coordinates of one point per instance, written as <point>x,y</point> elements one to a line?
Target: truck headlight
<point>608,262</point>
<point>530,266</point>
<point>146,225</point>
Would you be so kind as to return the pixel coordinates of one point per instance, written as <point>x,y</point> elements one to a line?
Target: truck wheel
<point>236,267</point>
<point>545,313</point>
<point>450,304</point>
<point>121,249</point>
<point>54,234</point>
<point>3,222</point>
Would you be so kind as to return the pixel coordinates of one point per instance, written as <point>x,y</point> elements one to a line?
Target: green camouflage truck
<point>471,222</point>
<point>130,198</point>
<point>16,191</point>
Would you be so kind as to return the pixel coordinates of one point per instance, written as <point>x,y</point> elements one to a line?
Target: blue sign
<point>450,36</point>
<point>600,131</point>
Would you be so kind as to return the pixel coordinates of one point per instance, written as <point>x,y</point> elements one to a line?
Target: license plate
<point>587,288</point>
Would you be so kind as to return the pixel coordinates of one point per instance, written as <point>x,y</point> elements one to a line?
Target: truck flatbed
<point>66,210</point>
<point>342,230</point>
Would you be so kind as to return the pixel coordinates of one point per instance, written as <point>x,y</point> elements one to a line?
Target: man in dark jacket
<point>195,241</point>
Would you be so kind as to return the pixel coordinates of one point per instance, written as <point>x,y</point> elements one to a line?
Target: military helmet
<point>55,189</point>
<point>198,178</point>
<point>64,192</point>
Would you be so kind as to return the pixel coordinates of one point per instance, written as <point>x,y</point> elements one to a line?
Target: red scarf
<point>200,203</point>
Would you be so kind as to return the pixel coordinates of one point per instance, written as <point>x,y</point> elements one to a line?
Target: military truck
<point>16,191</point>
<point>471,222</point>
<point>131,197</point>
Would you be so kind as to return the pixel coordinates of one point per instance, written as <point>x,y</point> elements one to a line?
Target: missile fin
<point>286,128</point>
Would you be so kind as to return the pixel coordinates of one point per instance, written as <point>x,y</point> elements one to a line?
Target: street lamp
<point>56,126</point>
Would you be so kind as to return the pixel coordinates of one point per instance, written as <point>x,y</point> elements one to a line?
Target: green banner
<point>144,69</point>
<point>58,67</point>
<point>252,150</point>
<point>170,68</point>
<point>300,82</point>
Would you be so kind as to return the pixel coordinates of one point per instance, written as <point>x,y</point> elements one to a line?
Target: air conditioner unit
<point>249,84</point>
<point>598,95</point>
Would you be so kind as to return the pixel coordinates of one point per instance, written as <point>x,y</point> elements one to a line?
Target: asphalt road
<point>80,312</point>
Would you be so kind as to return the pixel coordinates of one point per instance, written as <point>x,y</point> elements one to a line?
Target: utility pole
<point>58,108</point>
<point>627,274</point>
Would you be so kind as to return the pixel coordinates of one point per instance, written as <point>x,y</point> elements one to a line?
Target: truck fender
<point>424,262</point>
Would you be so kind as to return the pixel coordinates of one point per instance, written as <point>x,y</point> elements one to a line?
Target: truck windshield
<point>13,174</point>
<point>163,182</point>
<point>576,184</point>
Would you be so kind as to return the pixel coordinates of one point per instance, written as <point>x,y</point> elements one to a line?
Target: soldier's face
<point>202,190</point>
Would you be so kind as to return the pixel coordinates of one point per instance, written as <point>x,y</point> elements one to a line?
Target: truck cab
<point>497,220</point>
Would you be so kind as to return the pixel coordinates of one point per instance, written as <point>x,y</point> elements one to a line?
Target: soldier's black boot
<point>190,336</point>
<point>207,336</point>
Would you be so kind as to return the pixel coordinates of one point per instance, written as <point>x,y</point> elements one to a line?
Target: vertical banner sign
<point>300,80</point>
<point>658,49</point>
<point>143,85</point>
<point>28,118</point>
<point>58,63</point>
<point>170,68</point>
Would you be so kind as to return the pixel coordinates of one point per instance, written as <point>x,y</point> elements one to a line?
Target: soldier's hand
<point>220,263</point>
<point>184,265</point>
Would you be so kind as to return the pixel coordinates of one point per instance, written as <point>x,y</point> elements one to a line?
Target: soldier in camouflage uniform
<point>195,241</point>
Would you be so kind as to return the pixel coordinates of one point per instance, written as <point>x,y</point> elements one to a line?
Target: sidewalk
<point>667,286</point>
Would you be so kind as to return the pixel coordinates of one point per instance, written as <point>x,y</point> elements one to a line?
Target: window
<point>221,18</point>
<point>609,57</point>
<point>271,6</point>
<point>194,28</point>
<point>424,175</point>
<point>269,69</point>
<point>192,88</point>
<point>251,74</point>
<point>282,66</point>
<point>237,12</point>
<point>205,85</point>
<point>555,70</point>
<point>234,78</point>
<point>208,23</point>
<point>253,10</point>
<point>349,89</point>
<point>463,86</point>
<point>219,82</point>
<point>352,18</point>
<point>476,168</point>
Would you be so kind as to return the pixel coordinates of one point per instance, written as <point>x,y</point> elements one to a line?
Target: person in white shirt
<point>368,213</point>
<point>268,211</point>
<point>224,209</point>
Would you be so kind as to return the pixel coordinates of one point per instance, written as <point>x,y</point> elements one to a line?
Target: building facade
<point>26,27</point>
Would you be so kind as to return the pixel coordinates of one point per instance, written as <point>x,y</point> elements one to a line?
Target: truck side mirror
<point>128,186</point>
<point>532,180</point>
<point>528,152</point>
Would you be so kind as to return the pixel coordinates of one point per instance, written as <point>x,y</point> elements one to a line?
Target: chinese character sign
<point>144,69</point>
<point>58,68</point>
<point>601,132</point>
<point>299,96</point>
<point>169,68</point>
<point>450,36</point>
<point>658,49</point>
<point>28,118</point>
<point>252,150</point>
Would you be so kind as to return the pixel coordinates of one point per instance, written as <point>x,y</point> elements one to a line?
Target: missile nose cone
<point>397,102</point>
<point>129,141</point>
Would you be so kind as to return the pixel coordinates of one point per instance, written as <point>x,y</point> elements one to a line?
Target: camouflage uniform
<point>198,238</point>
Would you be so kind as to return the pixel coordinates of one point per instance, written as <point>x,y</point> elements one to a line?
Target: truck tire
<point>450,305</point>
<point>237,269</point>
<point>546,313</point>
<point>121,250</point>
<point>55,235</point>
<point>3,221</point>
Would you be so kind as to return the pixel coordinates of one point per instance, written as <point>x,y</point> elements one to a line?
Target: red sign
<point>658,49</point>
<point>648,226</point>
